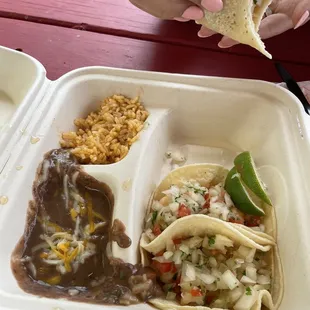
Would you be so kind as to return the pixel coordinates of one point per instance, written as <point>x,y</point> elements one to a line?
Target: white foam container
<point>22,85</point>
<point>211,118</point>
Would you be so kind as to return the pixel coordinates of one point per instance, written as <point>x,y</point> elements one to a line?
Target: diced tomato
<point>183,211</point>
<point>215,252</point>
<point>156,230</point>
<point>173,268</point>
<point>196,292</point>
<point>162,267</point>
<point>207,203</point>
<point>177,240</point>
<point>161,253</point>
<point>177,288</point>
<point>236,221</point>
<point>210,298</point>
<point>252,221</point>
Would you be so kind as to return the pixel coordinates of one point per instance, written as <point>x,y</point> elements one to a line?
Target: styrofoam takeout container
<point>212,119</point>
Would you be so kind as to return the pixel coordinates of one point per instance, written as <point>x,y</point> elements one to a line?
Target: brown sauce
<point>66,247</point>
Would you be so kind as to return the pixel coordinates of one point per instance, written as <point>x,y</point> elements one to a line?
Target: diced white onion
<point>205,243</point>
<point>157,205</point>
<point>195,242</point>
<point>236,293</point>
<point>195,257</point>
<point>247,280</point>
<point>174,206</point>
<point>216,208</point>
<point>177,257</point>
<point>189,273</point>
<point>173,190</point>
<point>262,279</point>
<point>213,192</point>
<point>230,279</point>
<point>228,200</point>
<point>168,254</point>
<point>184,248</point>
<point>251,272</point>
<point>247,253</point>
<point>160,259</point>
<point>171,296</point>
<point>221,242</point>
<point>206,278</point>
<point>246,301</point>
<point>212,262</point>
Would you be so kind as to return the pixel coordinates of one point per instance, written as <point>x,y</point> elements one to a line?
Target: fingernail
<point>193,12</point>
<point>181,19</point>
<point>212,5</point>
<point>303,20</point>
<point>226,44</point>
<point>205,33</point>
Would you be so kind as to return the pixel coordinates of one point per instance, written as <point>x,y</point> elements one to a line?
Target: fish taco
<point>204,263</point>
<point>239,20</point>
<point>201,189</point>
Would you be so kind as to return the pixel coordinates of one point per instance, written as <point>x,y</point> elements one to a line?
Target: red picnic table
<point>68,34</point>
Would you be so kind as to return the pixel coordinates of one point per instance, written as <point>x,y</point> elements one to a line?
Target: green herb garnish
<point>248,291</point>
<point>154,216</point>
<point>211,241</point>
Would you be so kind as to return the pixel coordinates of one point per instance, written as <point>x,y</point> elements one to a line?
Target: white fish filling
<point>191,198</point>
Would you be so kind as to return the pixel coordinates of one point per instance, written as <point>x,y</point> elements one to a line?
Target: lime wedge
<point>245,166</point>
<point>242,197</point>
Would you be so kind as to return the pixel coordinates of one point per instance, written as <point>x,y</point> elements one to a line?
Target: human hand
<point>285,15</point>
<point>181,10</point>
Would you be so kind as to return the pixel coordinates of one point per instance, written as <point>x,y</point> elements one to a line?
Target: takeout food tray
<point>212,119</point>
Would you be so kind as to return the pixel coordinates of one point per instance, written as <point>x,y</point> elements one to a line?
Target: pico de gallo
<point>212,271</point>
<point>192,198</point>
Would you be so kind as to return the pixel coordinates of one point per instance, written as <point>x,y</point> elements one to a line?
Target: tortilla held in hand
<point>240,21</point>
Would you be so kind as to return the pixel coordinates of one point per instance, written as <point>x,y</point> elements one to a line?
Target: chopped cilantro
<point>170,288</point>
<point>211,241</point>
<point>248,291</point>
<point>154,216</point>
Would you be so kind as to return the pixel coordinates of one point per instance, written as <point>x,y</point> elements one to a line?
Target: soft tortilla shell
<point>208,175</point>
<point>237,22</point>
<point>195,225</point>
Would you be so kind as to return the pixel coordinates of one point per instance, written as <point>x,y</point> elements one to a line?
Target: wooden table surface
<point>68,34</point>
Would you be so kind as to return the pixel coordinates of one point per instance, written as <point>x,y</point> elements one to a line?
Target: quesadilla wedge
<point>240,21</point>
<point>204,263</point>
<point>199,189</point>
